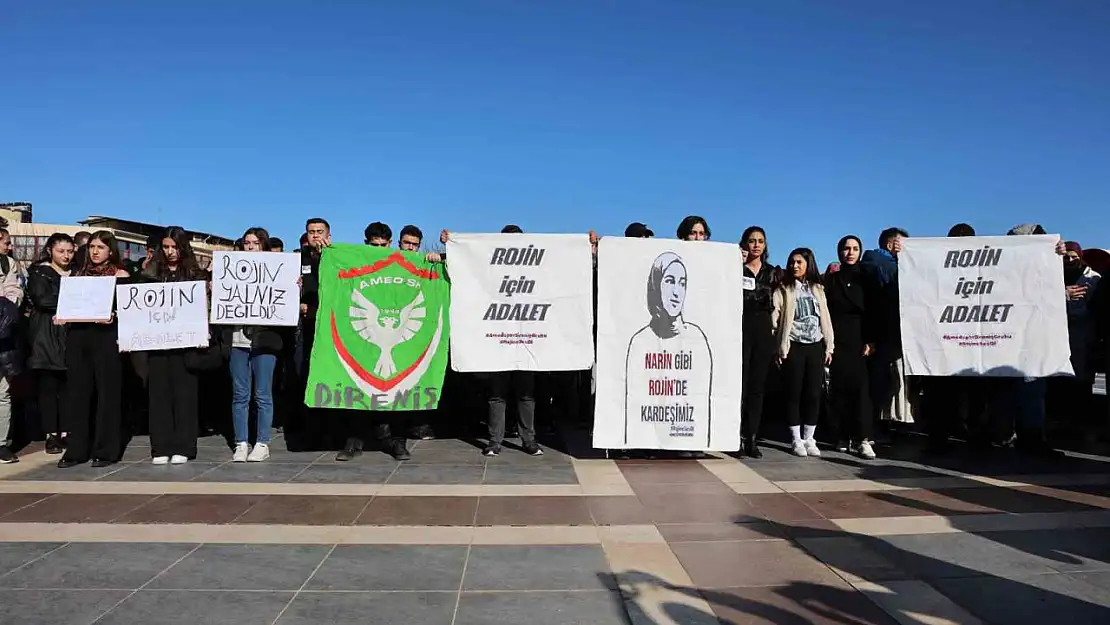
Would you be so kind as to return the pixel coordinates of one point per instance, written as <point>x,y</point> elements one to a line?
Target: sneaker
<point>800,449</point>
<point>241,451</point>
<point>6,455</point>
<point>843,446</point>
<point>398,449</point>
<point>864,450</point>
<point>177,459</point>
<point>532,449</point>
<point>260,452</point>
<point>160,460</point>
<point>811,448</point>
<point>54,444</point>
<point>492,450</point>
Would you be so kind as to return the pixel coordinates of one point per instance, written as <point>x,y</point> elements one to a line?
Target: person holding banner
<point>760,278</point>
<point>693,228</point>
<point>48,339</point>
<point>805,340</point>
<point>172,388</point>
<point>95,368</point>
<point>253,358</point>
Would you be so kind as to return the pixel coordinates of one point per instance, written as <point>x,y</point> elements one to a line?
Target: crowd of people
<point>827,344</point>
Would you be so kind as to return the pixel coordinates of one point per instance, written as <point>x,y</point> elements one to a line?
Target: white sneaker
<point>865,451</point>
<point>178,460</point>
<point>260,452</point>
<point>811,448</point>
<point>800,449</point>
<point>160,460</point>
<point>241,451</point>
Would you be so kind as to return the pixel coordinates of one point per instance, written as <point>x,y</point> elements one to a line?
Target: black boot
<point>352,449</point>
<point>751,449</point>
<point>397,448</point>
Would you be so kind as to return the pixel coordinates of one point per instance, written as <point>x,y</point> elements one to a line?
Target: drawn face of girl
<point>673,289</point>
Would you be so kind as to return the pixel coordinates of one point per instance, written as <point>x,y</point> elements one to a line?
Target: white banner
<point>669,345</point>
<point>162,315</point>
<point>255,289</point>
<point>521,302</point>
<point>983,306</point>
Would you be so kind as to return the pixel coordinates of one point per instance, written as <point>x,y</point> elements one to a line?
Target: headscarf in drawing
<point>666,294</point>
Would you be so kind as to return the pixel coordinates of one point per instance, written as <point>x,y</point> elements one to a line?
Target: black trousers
<point>52,401</point>
<point>850,414</point>
<point>174,399</point>
<point>95,371</point>
<point>953,403</point>
<point>522,384</point>
<point>759,351</point>
<point>804,376</point>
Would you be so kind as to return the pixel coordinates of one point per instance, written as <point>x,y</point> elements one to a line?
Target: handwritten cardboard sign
<point>162,315</point>
<point>86,298</point>
<point>255,289</point>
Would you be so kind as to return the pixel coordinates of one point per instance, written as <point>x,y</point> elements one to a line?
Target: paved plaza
<point>451,537</point>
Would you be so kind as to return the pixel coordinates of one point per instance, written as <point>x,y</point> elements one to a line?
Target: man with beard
<point>1071,397</point>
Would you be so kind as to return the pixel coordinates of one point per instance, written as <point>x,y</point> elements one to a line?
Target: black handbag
<point>204,359</point>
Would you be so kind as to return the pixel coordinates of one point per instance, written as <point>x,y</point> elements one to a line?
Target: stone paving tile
<point>419,511</point>
<point>171,607</point>
<point>12,502</point>
<point>655,491</point>
<point>1094,496</point>
<point>80,473</point>
<point>1013,500</point>
<point>801,469</point>
<point>938,556</point>
<point>255,472</point>
<point>305,510</point>
<point>618,511</point>
<point>346,473</point>
<point>243,567</point>
<point>371,608</point>
<point>859,505</point>
<point>1067,550</point>
<point>533,511</point>
<point>781,507</point>
<point>558,608</point>
<point>852,559</point>
<point>666,472</point>
<point>563,567</point>
<point>1029,600</point>
<point>810,528</point>
<point>391,567</point>
<point>209,509</point>
<point>438,474</point>
<point>1099,580</point>
<point>537,474</point>
<point>15,555</point>
<point>715,532</point>
<point>775,563</point>
<point>146,472</point>
<point>678,508</point>
<point>97,565</point>
<point>425,456</point>
<point>76,508</point>
<point>56,607</point>
<point>796,604</point>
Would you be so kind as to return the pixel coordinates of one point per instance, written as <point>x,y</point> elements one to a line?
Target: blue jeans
<point>246,367</point>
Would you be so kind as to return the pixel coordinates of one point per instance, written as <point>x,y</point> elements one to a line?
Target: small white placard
<point>86,298</point>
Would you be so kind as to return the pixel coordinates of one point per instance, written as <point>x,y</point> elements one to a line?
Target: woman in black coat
<point>48,339</point>
<point>849,404</point>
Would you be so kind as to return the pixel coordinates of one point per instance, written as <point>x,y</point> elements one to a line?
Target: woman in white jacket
<point>804,335</point>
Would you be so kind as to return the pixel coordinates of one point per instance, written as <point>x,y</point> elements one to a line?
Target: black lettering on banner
<point>352,397</point>
<point>968,287</point>
<point>248,291</point>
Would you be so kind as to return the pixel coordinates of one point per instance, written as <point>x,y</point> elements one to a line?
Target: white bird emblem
<point>386,331</point>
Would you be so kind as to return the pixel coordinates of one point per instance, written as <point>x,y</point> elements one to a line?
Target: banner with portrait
<point>669,345</point>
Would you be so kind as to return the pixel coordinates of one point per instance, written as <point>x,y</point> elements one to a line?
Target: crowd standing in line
<point>832,340</point>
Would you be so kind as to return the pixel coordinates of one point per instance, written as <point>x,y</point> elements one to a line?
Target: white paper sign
<point>255,289</point>
<point>86,298</point>
<point>521,302</point>
<point>162,315</point>
<point>669,345</point>
<point>983,306</point>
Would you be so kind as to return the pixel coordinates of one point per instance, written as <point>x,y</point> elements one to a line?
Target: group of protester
<point>832,340</point>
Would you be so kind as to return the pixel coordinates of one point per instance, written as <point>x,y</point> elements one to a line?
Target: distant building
<point>28,238</point>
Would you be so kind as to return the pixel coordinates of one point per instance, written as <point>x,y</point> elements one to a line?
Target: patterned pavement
<point>454,538</point>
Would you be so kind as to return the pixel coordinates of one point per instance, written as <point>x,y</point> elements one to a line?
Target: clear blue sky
<point>811,118</point>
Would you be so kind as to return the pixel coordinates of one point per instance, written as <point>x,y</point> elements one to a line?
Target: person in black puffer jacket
<point>760,280</point>
<point>48,339</point>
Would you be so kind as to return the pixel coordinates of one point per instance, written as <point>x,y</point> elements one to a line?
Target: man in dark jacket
<point>886,378</point>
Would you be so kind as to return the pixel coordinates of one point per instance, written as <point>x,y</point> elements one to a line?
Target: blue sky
<point>811,118</point>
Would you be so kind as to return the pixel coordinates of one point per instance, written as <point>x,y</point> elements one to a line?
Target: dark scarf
<point>101,270</point>
<point>1073,272</point>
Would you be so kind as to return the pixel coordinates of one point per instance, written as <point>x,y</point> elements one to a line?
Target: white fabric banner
<point>669,345</point>
<point>255,289</point>
<point>521,302</point>
<point>162,315</point>
<point>983,306</point>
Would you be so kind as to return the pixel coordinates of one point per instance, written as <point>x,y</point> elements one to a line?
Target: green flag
<point>381,331</point>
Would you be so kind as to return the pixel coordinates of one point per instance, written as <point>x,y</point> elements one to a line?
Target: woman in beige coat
<point>804,337</point>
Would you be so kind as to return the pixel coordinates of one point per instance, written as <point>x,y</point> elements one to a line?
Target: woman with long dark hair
<point>760,278</point>
<point>254,352</point>
<point>172,387</point>
<point>94,368</point>
<point>48,338</point>
<point>849,403</point>
<point>693,228</point>
<point>805,340</point>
